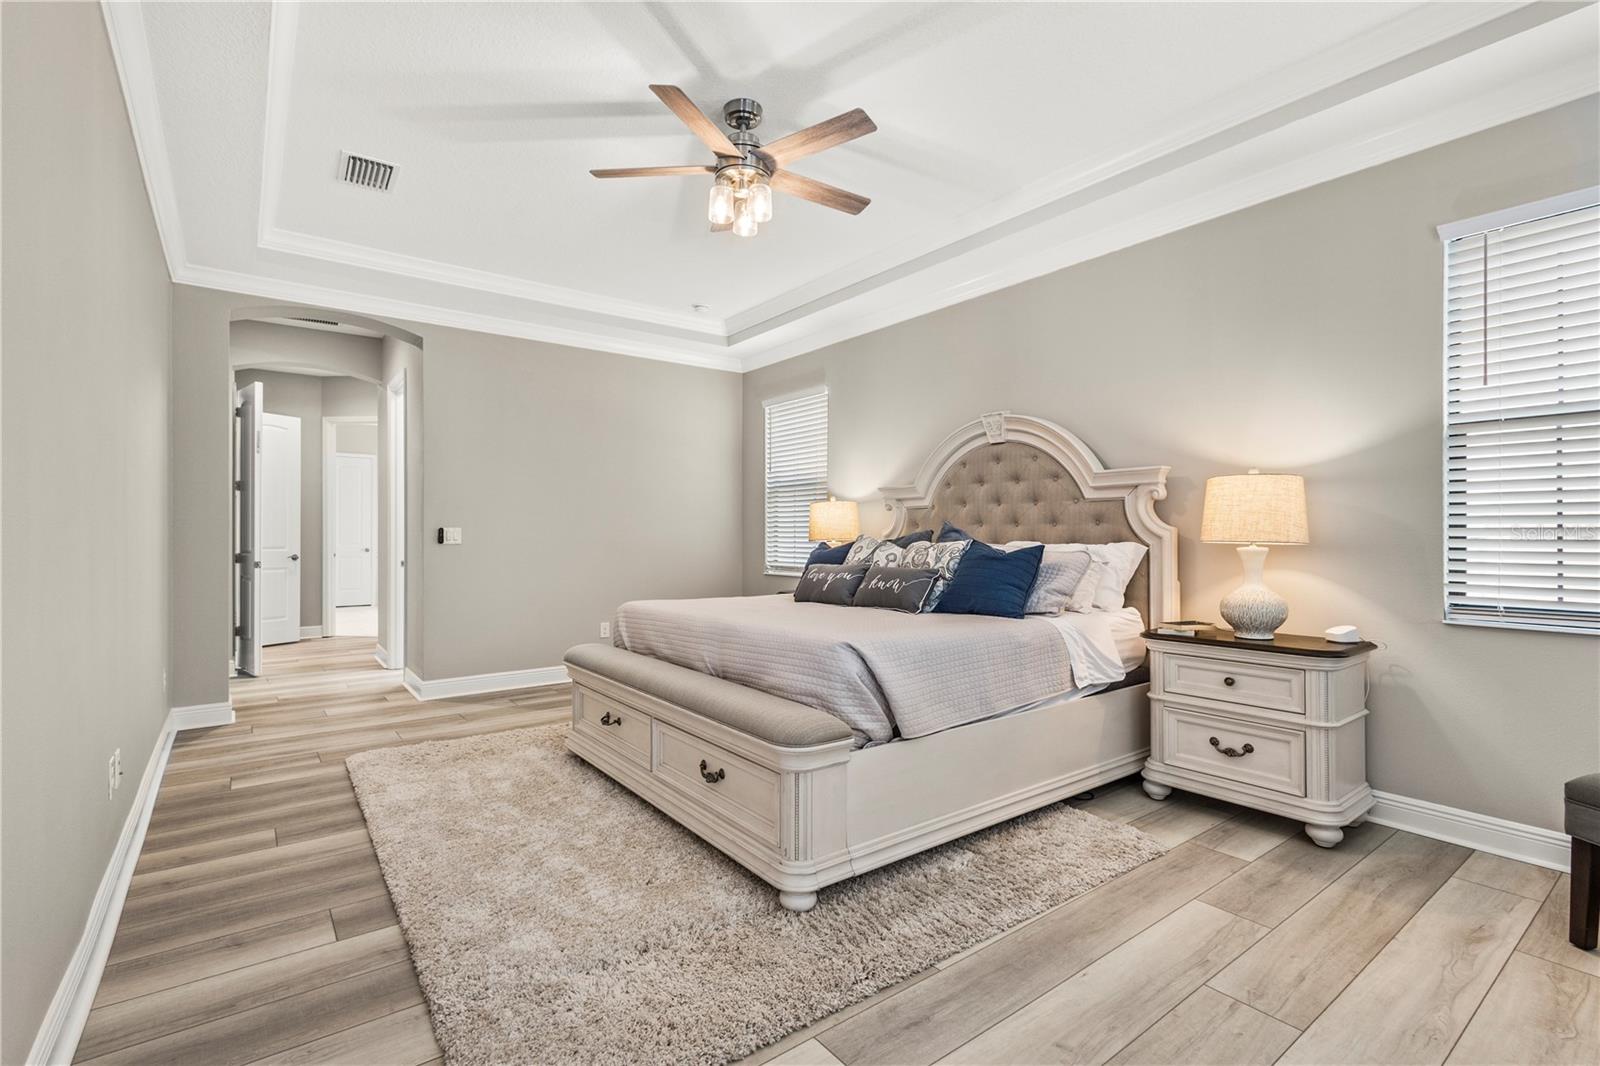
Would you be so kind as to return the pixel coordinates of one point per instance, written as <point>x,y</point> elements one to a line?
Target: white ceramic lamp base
<point>1254,611</point>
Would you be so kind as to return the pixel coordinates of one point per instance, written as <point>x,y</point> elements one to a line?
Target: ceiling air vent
<point>314,321</point>
<point>368,173</point>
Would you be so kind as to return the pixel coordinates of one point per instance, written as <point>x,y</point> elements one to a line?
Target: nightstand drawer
<point>1277,688</point>
<point>1246,752</point>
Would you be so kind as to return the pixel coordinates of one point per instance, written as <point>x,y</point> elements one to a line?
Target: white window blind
<point>1522,418</point>
<point>796,477</point>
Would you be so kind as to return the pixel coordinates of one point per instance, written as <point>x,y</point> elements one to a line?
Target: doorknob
<point>295,558</point>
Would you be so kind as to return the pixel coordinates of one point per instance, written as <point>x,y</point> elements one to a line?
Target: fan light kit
<point>746,171</point>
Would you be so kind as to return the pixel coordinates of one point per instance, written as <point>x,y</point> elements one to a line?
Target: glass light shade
<point>761,201</point>
<point>720,208</point>
<point>1255,508</point>
<point>835,521</point>
<point>744,221</point>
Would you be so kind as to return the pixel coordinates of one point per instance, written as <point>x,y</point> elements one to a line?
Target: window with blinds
<point>1522,417</point>
<point>796,477</point>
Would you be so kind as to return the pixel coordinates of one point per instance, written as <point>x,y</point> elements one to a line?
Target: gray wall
<point>1300,335</point>
<point>85,450</point>
<point>580,478</point>
<point>356,438</point>
<point>287,349</point>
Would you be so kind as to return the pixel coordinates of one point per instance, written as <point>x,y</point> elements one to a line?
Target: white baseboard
<point>1514,840</point>
<point>476,684</point>
<point>382,655</point>
<point>310,632</point>
<point>200,716</point>
<point>63,1022</point>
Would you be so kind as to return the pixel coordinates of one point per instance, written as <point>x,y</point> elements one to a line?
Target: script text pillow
<point>827,583</point>
<point>895,588</point>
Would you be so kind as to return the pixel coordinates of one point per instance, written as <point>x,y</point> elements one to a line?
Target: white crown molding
<point>1010,242</point>
<point>62,1025</point>
<point>710,328</point>
<point>130,52</point>
<point>1246,187</point>
<point>445,688</point>
<point>1514,840</point>
<point>406,310</point>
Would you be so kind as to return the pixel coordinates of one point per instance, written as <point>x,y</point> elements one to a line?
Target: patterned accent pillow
<point>888,553</point>
<point>943,558</point>
<point>861,551</point>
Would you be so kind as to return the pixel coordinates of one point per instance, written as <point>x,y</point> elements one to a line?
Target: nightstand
<point>1278,725</point>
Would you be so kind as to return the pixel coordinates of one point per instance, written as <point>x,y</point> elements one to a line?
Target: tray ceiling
<point>1013,139</point>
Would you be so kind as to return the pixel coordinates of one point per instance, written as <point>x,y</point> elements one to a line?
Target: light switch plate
<point>452,534</point>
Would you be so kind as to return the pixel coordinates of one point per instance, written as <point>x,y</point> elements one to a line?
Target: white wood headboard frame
<point>1138,486</point>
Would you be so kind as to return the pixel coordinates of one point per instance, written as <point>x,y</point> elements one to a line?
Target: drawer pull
<point>1228,681</point>
<point>608,719</point>
<point>1232,753</point>
<point>712,778</point>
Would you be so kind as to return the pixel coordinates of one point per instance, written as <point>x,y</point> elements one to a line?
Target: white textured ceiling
<point>991,119</point>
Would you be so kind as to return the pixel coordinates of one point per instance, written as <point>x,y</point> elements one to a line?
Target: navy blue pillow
<point>829,556</point>
<point>911,538</point>
<point>991,581</point>
<point>950,532</point>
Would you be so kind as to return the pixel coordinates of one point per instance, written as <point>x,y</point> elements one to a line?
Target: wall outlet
<point>605,630</point>
<point>452,534</point>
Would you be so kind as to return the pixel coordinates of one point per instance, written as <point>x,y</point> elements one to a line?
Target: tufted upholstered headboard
<point>1008,477</point>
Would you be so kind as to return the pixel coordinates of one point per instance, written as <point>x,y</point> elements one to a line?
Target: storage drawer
<point>1277,688</point>
<point>742,791</point>
<point>1246,752</point>
<point>614,723</point>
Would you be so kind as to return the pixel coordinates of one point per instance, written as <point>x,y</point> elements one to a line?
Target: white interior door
<point>396,400</point>
<point>247,530</point>
<point>278,576</point>
<point>355,530</point>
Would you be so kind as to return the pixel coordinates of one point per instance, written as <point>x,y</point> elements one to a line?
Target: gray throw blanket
<point>875,670</point>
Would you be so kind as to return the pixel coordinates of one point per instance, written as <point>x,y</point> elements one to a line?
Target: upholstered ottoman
<point>1583,825</point>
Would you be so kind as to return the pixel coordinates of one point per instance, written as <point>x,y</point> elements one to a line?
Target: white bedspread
<point>883,673</point>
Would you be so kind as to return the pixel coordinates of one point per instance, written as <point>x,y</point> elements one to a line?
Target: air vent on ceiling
<point>368,173</point>
<point>315,321</point>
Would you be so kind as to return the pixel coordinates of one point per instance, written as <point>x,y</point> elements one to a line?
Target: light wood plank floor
<point>258,928</point>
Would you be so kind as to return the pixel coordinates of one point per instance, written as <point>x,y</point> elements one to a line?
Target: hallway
<point>257,923</point>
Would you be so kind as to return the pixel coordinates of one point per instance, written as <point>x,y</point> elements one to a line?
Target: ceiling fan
<point>746,170</point>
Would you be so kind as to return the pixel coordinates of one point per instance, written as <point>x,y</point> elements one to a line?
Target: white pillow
<point>1082,601</point>
<point>1118,562</point>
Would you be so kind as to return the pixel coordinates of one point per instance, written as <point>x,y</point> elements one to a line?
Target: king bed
<point>811,742</point>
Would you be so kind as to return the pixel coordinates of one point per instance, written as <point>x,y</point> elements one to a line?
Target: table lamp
<point>835,521</point>
<point>1254,510</point>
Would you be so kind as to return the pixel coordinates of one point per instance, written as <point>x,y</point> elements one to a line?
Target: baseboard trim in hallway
<point>445,688</point>
<point>63,1023</point>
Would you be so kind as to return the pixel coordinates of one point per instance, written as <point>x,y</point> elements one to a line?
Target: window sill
<point>1525,627</point>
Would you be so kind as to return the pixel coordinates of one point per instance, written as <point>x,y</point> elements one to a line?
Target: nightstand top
<point>1285,643</point>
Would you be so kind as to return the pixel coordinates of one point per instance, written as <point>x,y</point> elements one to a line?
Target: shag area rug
<point>554,917</point>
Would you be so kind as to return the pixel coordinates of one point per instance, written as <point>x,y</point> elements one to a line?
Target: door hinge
<point>238,557</point>
<point>238,412</point>
<point>238,486</point>
<point>238,631</point>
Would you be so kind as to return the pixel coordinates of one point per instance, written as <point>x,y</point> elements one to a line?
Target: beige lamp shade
<point>1255,508</point>
<point>835,521</point>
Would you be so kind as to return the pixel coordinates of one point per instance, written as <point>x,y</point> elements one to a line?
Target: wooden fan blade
<point>650,172</point>
<point>709,132</point>
<point>813,139</point>
<point>819,192</point>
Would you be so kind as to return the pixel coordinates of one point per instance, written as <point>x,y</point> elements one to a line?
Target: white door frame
<point>394,398</point>
<point>330,451</point>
